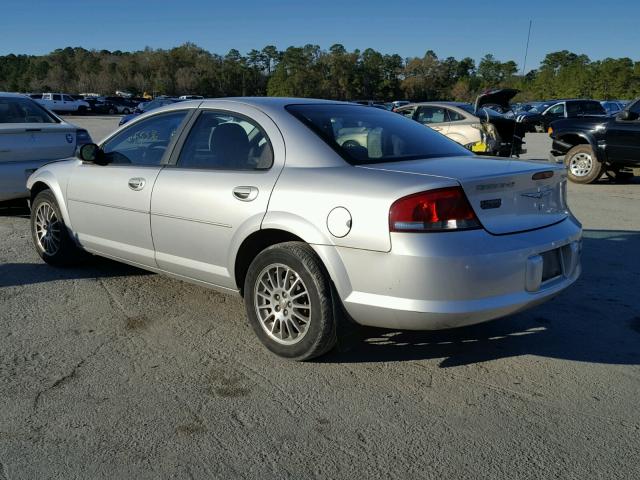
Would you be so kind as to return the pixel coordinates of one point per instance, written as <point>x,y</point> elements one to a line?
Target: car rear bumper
<point>442,280</point>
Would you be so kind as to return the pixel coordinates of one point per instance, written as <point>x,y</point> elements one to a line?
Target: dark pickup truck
<point>594,145</point>
<point>539,121</point>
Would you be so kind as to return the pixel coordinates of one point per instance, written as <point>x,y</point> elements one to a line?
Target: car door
<point>109,204</point>
<point>68,103</point>
<point>623,138</point>
<point>56,102</point>
<point>215,192</point>
<point>434,117</point>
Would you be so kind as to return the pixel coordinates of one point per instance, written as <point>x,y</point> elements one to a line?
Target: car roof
<point>14,95</point>
<point>445,103</point>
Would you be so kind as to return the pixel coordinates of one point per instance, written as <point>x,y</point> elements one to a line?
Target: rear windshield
<point>364,135</point>
<point>23,110</point>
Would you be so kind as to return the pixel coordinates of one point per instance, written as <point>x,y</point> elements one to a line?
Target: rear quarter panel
<point>304,197</point>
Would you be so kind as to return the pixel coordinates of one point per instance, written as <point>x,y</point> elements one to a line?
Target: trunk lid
<point>503,193</point>
<point>498,96</point>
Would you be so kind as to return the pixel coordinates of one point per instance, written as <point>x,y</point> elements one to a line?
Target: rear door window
<point>57,97</point>
<point>224,141</point>
<point>454,116</point>
<point>431,114</point>
<point>593,108</point>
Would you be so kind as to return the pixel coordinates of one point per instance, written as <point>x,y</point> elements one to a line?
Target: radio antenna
<point>526,50</point>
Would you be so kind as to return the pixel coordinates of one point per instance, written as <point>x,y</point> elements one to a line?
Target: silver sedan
<point>316,212</point>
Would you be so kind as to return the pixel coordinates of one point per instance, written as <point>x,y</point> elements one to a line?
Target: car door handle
<point>245,194</point>
<point>136,183</point>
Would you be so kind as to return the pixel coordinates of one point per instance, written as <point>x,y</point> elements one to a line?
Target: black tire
<point>82,110</point>
<point>592,167</point>
<point>112,111</point>
<point>126,111</point>
<point>320,334</point>
<point>67,252</point>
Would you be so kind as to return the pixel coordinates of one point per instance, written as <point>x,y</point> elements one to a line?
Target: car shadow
<point>596,320</point>
<point>20,274</point>
<point>15,209</point>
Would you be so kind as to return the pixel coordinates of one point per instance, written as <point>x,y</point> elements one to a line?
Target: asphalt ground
<point>107,371</point>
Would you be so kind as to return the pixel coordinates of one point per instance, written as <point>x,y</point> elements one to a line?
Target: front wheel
<point>287,295</point>
<point>50,234</point>
<point>582,164</point>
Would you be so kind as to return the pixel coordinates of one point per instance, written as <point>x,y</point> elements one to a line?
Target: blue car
<point>148,106</point>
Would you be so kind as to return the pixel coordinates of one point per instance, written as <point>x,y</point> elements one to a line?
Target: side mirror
<point>90,152</point>
<point>627,116</point>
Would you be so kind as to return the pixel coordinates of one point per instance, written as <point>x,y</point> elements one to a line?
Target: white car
<point>31,136</point>
<point>61,102</point>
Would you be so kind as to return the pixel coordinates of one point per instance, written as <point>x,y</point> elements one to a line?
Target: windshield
<point>363,135</point>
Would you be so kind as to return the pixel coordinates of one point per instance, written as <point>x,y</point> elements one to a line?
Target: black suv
<point>540,121</point>
<point>593,146</point>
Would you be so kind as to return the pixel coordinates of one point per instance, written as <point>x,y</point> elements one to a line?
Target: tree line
<point>310,71</point>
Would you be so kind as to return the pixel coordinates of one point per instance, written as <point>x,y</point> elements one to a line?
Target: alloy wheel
<point>282,303</point>
<point>47,229</point>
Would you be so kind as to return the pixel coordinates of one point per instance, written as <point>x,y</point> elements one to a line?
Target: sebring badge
<point>69,138</point>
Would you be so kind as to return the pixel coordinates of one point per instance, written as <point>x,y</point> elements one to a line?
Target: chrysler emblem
<point>539,194</point>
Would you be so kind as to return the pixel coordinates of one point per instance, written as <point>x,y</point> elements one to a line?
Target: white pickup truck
<point>61,102</point>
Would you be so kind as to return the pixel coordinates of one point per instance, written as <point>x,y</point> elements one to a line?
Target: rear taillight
<point>82,137</point>
<point>433,211</point>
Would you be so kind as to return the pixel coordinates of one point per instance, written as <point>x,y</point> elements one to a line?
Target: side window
<point>455,116</point>
<point>56,97</point>
<point>574,108</point>
<point>431,114</point>
<point>408,112</point>
<point>594,108</point>
<point>67,98</point>
<point>557,110</point>
<point>222,141</point>
<point>144,142</point>
<point>635,108</point>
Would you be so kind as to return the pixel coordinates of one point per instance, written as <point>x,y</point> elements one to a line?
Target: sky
<point>458,28</point>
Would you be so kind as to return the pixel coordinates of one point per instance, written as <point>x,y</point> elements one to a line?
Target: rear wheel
<point>287,296</point>
<point>50,234</point>
<point>582,164</point>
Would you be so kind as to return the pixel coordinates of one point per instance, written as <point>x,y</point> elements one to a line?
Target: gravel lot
<point>109,372</point>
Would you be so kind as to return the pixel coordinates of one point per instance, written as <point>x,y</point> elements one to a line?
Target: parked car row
<point>478,127</point>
